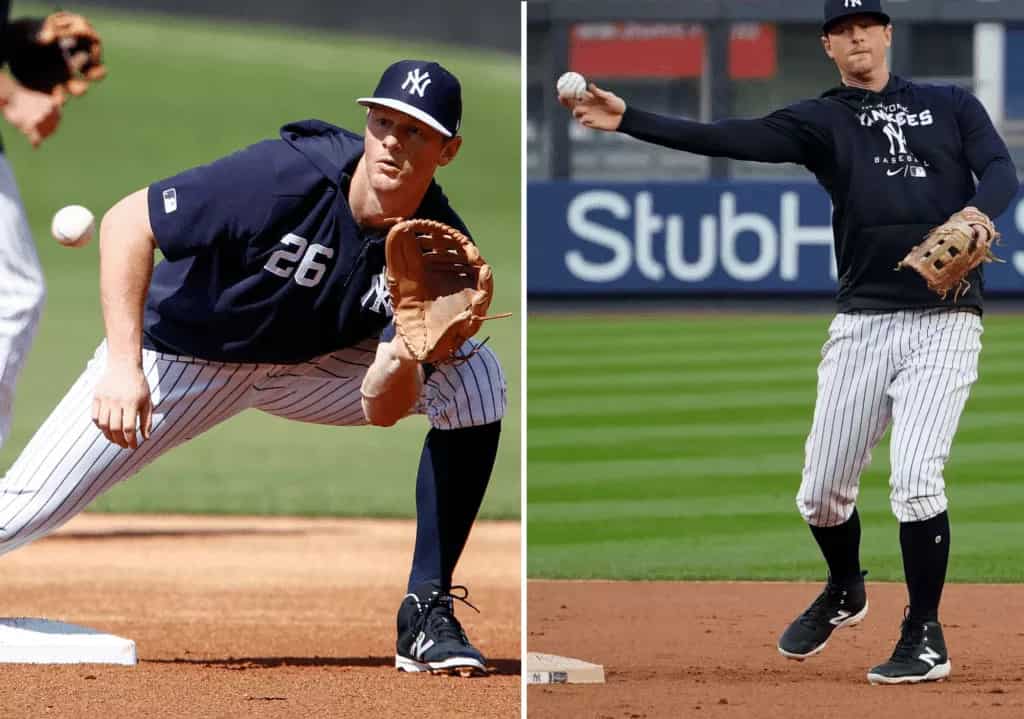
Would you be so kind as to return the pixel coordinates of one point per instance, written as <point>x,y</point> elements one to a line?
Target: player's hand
<point>981,231</point>
<point>597,108</point>
<point>35,114</point>
<point>122,402</point>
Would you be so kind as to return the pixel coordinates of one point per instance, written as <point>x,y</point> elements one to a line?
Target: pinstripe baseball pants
<point>912,368</point>
<point>22,291</point>
<point>68,462</point>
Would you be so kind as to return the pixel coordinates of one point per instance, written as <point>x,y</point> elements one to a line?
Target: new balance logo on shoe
<point>422,644</point>
<point>839,618</point>
<point>929,656</point>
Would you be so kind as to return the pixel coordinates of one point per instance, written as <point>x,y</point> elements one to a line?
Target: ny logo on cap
<point>854,3</point>
<point>419,82</point>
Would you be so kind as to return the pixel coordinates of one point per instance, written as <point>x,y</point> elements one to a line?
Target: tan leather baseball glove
<point>440,288</point>
<point>60,54</point>
<point>951,250</point>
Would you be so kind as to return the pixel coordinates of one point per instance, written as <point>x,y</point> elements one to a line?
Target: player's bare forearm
<point>126,265</point>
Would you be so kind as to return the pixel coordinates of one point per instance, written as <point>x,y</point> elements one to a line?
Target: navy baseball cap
<point>423,90</point>
<point>836,10</point>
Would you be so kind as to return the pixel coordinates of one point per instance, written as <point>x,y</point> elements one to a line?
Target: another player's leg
<point>929,395</point>
<point>22,294</point>
<point>850,416</point>
<point>68,462</point>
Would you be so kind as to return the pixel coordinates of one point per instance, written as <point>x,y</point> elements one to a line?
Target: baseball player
<point>897,158</point>
<point>36,113</point>
<point>272,295</point>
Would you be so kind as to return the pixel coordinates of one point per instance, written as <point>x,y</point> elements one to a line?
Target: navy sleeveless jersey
<point>263,261</point>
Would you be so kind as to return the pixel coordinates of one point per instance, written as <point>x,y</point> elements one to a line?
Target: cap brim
<point>407,109</point>
<point>880,15</point>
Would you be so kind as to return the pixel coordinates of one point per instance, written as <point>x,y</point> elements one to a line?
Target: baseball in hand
<point>571,86</point>
<point>72,226</point>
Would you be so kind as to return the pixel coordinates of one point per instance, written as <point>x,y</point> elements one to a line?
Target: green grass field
<point>670,447</point>
<point>181,93</point>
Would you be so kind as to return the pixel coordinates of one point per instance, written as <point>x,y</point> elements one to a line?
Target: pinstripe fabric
<point>466,394</point>
<point>326,390</point>
<point>913,368</point>
<point>68,462</point>
<point>22,291</point>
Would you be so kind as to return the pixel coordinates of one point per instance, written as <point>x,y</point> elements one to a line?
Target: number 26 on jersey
<point>299,260</point>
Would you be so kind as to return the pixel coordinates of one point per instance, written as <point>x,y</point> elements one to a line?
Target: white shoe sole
<point>466,666</point>
<point>848,622</point>
<point>935,674</point>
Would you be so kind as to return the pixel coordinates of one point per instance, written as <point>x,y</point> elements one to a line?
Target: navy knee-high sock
<point>925,548</point>
<point>840,545</point>
<point>455,467</point>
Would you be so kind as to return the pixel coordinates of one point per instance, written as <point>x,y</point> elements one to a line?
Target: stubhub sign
<point>674,238</point>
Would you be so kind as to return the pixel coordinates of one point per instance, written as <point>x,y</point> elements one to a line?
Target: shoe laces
<point>911,635</point>
<point>437,615</point>
<point>823,607</point>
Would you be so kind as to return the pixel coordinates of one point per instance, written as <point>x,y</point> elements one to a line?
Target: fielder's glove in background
<point>59,54</point>
<point>440,288</point>
<point>951,250</point>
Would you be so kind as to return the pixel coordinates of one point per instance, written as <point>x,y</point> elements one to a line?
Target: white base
<point>28,640</point>
<point>553,669</point>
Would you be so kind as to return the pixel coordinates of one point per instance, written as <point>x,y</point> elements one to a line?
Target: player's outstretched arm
<point>784,136</point>
<point>122,400</point>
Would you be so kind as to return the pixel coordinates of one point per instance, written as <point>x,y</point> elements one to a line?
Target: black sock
<point>455,467</point>
<point>925,548</point>
<point>840,545</point>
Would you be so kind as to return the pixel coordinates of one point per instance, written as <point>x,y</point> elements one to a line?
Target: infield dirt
<point>254,617</point>
<point>708,649</point>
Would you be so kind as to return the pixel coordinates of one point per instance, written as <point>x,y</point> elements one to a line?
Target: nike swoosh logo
<point>892,173</point>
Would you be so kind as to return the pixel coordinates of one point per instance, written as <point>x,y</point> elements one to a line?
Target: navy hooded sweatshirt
<point>896,163</point>
<point>263,261</point>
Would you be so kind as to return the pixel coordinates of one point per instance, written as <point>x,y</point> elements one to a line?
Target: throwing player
<point>897,158</point>
<point>272,295</point>
<point>36,112</point>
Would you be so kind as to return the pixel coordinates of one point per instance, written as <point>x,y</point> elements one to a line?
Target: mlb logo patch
<point>916,171</point>
<point>170,201</point>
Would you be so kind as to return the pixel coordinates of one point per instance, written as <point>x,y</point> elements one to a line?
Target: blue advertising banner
<point>702,237</point>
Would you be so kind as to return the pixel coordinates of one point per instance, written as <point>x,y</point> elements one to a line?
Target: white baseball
<point>72,226</point>
<point>571,86</point>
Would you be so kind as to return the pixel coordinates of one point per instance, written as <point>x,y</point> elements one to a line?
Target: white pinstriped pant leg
<point>22,291</point>
<point>928,397</point>
<point>327,389</point>
<point>68,462</point>
<point>466,394</point>
<point>851,414</point>
<point>322,391</point>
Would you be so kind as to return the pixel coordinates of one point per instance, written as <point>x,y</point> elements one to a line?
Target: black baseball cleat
<point>920,656</point>
<point>430,638</point>
<point>839,605</point>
